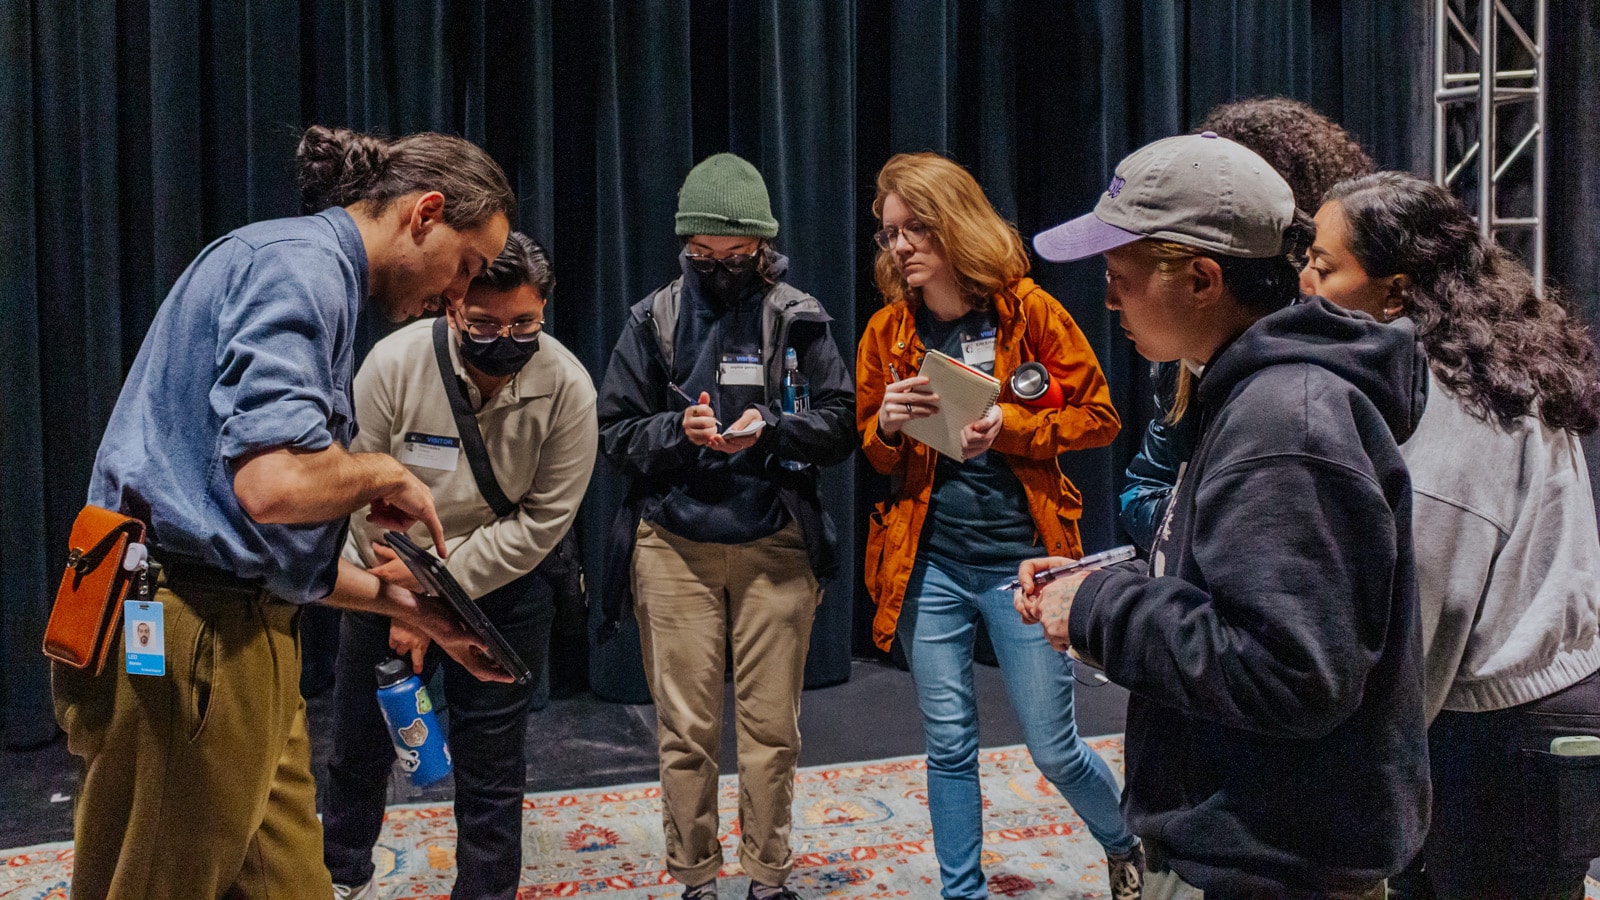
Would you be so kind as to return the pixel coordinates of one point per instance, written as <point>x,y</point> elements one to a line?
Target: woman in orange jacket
<point>953,275</point>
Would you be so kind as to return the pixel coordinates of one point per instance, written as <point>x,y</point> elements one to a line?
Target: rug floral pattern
<point>860,830</point>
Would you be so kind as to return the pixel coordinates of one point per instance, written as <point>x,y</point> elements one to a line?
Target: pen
<point>690,400</point>
<point>1092,561</point>
<point>893,371</point>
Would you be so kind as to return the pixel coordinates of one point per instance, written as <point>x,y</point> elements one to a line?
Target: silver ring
<point>908,409</point>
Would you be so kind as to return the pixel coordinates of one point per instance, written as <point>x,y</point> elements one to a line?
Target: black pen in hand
<point>691,401</point>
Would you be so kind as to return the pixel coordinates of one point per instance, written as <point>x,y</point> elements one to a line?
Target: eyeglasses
<point>735,263</point>
<point>521,331</point>
<point>915,233</point>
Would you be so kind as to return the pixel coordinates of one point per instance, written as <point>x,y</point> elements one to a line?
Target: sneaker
<point>770,893</point>
<point>368,891</point>
<point>707,891</point>
<point>1127,873</point>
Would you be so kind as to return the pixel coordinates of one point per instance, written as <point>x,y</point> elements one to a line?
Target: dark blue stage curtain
<point>136,132</point>
<point>1573,190</point>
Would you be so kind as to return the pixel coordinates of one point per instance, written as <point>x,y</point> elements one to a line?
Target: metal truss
<point>1489,117</point>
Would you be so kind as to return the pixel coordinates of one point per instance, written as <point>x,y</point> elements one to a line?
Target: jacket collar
<point>1007,304</point>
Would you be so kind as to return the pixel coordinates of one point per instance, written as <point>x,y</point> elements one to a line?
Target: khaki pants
<point>197,783</point>
<point>691,600</point>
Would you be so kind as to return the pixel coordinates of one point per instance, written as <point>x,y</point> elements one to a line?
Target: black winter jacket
<point>641,423</point>
<point>1275,740</point>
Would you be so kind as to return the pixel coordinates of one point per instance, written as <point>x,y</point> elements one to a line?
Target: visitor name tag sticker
<point>430,451</point>
<point>144,637</point>
<point>741,368</point>
<point>978,350</point>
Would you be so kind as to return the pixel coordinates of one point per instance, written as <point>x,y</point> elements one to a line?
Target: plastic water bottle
<point>412,727</point>
<point>796,394</point>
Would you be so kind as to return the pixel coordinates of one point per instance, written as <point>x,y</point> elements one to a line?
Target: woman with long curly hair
<point>954,277</point>
<point>1507,558</point>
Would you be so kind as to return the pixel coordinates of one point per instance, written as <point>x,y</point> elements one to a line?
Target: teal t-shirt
<point>978,513</point>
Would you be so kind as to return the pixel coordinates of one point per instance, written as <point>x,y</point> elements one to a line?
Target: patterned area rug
<point>860,830</point>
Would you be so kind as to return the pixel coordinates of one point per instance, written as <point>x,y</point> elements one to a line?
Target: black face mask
<point>728,288</point>
<point>500,357</point>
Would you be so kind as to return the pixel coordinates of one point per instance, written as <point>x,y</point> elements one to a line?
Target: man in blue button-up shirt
<point>229,441</point>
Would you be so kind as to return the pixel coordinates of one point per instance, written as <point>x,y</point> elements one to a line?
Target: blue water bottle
<point>412,726</point>
<point>796,394</point>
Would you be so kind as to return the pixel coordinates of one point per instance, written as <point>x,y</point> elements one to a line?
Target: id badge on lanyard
<point>430,451</point>
<point>144,637</point>
<point>977,350</point>
<point>741,369</point>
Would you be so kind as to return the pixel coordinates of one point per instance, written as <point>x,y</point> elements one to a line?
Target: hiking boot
<point>770,893</point>
<point>1127,873</point>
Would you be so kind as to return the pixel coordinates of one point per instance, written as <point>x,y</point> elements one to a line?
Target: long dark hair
<point>338,167</point>
<point>1490,337</point>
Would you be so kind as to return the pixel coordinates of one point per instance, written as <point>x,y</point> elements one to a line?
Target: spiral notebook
<point>965,395</point>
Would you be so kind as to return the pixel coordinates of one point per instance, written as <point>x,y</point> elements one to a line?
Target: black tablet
<point>439,583</point>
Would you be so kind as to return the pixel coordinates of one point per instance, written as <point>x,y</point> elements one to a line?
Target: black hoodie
<point>1275,738</point>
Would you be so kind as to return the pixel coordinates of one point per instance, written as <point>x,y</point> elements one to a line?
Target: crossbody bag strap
<point>467,425</point>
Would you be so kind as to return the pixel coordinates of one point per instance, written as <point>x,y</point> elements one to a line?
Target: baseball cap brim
<point>1083,237</point>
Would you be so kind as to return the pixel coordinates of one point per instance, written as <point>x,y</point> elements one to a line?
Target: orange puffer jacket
<point>1032,326</point>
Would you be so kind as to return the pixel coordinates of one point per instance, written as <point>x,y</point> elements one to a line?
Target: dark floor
<point>585,742</point>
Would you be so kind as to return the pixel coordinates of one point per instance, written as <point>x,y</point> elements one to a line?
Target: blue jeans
<point>936,629</point>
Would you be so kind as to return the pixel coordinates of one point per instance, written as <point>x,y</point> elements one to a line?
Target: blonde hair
<point>984,251</point>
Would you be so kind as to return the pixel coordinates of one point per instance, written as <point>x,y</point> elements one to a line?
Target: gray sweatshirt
<point>1508,562</point>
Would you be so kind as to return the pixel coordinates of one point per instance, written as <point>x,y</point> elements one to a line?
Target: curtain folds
<point>140,131</point>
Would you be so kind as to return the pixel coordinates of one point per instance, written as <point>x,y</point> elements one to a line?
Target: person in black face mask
<point>718,543</point>
<point>534,409</point>
<point>498,337</point>
<point>728,278</point>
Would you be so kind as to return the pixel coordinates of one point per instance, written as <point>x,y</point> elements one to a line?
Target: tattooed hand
<point>1055,607</point>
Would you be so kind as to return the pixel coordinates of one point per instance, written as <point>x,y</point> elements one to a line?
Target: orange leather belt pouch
<point>88,605</point>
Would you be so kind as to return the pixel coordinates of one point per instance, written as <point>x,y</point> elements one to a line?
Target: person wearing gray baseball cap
<point>1200,190</point>
<point>1272,644</point>
<point>1312,153</point>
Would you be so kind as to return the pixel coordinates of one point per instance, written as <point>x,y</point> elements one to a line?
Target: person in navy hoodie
<point>1272,646</point>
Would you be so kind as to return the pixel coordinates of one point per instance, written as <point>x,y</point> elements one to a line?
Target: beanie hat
<point>725,196</point>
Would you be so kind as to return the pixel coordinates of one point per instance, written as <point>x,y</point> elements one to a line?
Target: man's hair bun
<point>337,166</point>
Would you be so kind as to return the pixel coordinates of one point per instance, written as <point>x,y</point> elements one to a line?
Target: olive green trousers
<point>197,783</point>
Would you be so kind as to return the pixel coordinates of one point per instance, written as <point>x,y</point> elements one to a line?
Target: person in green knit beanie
<point>722,524</point>
<point>725,196</point>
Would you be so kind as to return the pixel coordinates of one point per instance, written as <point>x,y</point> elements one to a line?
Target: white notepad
<point>965,395</point>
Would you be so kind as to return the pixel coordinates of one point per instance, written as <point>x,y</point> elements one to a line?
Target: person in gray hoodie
<point>1508,561</point>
